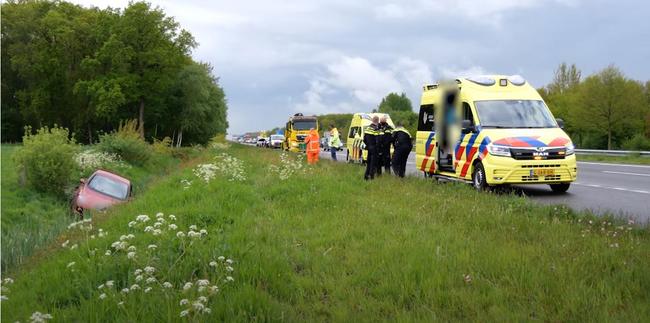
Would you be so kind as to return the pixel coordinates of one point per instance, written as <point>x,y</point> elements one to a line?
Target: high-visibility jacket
<point>370,134</point>
<point>335,140</point>
<point>402,139</point>
<point>313,142</point>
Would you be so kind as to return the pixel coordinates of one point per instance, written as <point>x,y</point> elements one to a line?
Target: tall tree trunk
<point>141,118</point>
<point>90,134</point>
<point>609,139</point>
<point>180,138</point>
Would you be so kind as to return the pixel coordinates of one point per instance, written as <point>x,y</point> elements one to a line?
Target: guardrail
<point>612,152</point>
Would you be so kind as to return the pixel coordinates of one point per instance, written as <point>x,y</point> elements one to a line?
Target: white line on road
<point>624,173</point>
<point>612,164</point>
<point>613,188</point>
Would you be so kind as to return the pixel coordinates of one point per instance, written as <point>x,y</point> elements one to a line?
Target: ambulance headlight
<point>570,150</point>
<point>498,150</point>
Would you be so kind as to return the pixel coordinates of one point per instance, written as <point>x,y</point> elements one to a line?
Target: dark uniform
<point>370,138</point>
<point>403,146</point>
<point>384,139</point>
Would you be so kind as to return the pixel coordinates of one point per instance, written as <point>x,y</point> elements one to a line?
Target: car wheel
<point>560,188</point>
<point>478,178</point>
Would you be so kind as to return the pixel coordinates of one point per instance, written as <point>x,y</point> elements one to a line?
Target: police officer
<point>403,145</point>
<point>385,139</point>
<point>370,140</point>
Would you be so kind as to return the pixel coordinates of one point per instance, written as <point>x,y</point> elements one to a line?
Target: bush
<point>126,143</point>
<point>46,160</point>
<point>638,142</point>
<point>162,147</point>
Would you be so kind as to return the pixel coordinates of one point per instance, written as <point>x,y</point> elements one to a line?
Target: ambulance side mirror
<point>467,127</point>
<point>560,123</point>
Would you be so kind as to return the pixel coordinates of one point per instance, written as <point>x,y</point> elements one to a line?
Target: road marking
<point>613,188</point>
<point>624,173</point>
<point>612,164</point>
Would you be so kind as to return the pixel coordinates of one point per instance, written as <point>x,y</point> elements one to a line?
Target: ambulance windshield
<point>514,114</point>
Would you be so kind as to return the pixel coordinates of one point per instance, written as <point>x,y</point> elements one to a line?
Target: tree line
<point>606,110</point>
<point>88,69</point>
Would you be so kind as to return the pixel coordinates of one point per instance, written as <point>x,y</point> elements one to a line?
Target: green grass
<point>639,160</point>
<point>32,220</point>
<point>325,245</point>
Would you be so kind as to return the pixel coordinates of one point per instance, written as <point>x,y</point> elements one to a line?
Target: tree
<point>154,50</point>
<point>198,104</point>
<point>610,105</point>
<point>565,79</point>
<point>395,102</point>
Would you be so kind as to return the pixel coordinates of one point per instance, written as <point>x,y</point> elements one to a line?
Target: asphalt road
<point>623,190</point>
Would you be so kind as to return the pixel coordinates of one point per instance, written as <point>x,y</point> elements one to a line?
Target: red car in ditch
<point>100,191</point>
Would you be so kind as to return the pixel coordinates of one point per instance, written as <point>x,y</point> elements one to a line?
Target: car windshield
<point>277,137</point>
<point>109,186</point>
<point>514,114</point>
<point>304,125</point>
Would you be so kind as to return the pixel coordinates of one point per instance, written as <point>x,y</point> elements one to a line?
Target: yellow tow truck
<point>296,130</point>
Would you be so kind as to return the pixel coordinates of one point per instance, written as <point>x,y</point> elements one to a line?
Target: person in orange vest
<point>312,143</point>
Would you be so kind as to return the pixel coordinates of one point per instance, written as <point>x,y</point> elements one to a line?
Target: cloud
<point>353,84</point>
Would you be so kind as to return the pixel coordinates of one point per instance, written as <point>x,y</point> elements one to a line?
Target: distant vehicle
<point>275,141</point>
<point>356,151</point>
<point>324,143</point>
<point>261,142</point>
<point>100,191</point>
<point>492,130</point>
<point>296,130</point>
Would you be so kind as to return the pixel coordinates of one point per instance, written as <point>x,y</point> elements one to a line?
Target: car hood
<point>538,137</point>
<point>90,199</point>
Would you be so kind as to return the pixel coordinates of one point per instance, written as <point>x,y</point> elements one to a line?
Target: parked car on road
<point>275,141</point>
<point>100,191</point>
<point>261,142</point>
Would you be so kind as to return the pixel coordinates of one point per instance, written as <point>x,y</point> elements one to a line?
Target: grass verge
<point>320,244</point>
<point>636,160</point>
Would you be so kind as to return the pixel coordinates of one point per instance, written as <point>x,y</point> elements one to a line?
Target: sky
<point>277,58</point>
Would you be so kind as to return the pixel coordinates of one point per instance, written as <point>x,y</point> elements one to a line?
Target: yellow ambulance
<point>492,130</point>
<point>296,130</point>
<point>354,144</point>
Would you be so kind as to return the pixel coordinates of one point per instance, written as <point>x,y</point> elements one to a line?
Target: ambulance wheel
<point>560,188</point>
<point>478,178</point>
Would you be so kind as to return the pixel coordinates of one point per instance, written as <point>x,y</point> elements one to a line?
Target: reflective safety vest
<point>313,144</point>
<point>402,129</point>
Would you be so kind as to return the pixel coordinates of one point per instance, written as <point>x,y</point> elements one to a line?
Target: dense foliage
<point>606,110</point>
<point>46,161</point>
<point>88,68</point>
<point>126,143</point>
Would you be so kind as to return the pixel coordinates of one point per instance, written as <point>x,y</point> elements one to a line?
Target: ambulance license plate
<point>542,172</point>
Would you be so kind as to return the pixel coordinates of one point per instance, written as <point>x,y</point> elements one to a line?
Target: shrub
<point>126,142</point>
<point>638,142</point>
<point>46,160</point>
<point>163,147</point>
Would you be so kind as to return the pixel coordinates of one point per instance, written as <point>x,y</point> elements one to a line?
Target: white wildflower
<point>221,258</point>
<point>38,317</point>
<point>172,217</point>
<point>160,215</point>
<point>150,280</point>
<point>125,290</point>
<point>203,299</point>
<point>180,234</point>
<point>102,296</point>
<point>203,282</point>
<point>130,255</point>
<point>138,278</point>
<point>172,227</point>
<point>135,287</point>
<point>109,283</point>
<point>70,264</point>
<point>148,229</point>
<point>230,279</point>
<point>149,270</point>
<point>184,313</point>
<point>167,285</point>
<point>148,289</point>
<point>184,302</point>
<point>213,264</point>
<point>132,248</point>
<point>193,227</point>
<point>187,286</point>
<point>132,224</point>
<point>65,244</point>
<point>203,232</point>
<point>142,218</point>
<point>152,247</point>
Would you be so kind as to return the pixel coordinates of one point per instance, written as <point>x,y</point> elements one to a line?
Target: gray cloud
<point>276,58</point>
